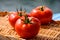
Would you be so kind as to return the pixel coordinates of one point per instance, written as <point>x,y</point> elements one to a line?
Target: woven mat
<point>47,32</point>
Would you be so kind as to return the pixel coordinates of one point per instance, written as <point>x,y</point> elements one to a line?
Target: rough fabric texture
<point>49,31</point>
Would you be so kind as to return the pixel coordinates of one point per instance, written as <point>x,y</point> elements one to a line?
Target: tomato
<point>43,13</point>
<point>27,28</point>
<point>12,18</point>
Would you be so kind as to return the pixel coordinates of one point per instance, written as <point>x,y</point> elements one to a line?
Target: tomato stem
<point>42,8</point>
<point>27,19</point>
<point>19,13</point>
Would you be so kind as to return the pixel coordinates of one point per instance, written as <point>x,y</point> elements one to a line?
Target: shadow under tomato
<point>36,38</point>
<point>50,25</point>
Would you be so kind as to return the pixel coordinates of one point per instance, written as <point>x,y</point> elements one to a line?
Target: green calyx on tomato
<point>27,20</point>
<point>20,14</point>
<point>43,13</point>
<point>28,30</point>
<point>26,16</point>
<point>15,15</point>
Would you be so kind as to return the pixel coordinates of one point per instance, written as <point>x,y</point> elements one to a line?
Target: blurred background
<point>11,5</point>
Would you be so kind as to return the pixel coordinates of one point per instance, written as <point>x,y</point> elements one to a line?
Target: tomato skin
<point>44,16</point>
<point>12,18</point>
<point>27,30</point>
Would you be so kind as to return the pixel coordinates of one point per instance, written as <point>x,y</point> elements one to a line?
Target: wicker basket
<point>47,32</point>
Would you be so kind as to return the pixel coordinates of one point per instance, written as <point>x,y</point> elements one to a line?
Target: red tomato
<point>12,18</point>
<point>43,13</point>
<point>27,28</point>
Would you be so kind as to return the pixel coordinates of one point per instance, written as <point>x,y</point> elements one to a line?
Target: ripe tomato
<point>27,28</point>
<point>43,13</point>
<point>12,18</point>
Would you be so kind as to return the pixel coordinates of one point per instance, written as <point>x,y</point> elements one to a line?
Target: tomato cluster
<point>28,25</point>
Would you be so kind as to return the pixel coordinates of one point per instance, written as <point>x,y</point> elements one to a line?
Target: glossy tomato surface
<point>12,18</point>
<point>43,13</point>
<point>27,30</point>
